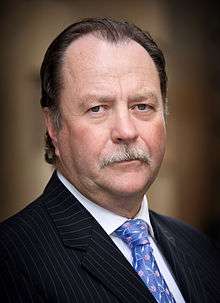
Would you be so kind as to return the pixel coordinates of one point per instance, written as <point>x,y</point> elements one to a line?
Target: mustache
<point>126,153</point>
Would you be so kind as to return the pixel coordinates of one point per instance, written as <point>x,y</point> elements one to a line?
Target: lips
<point>127,162</point>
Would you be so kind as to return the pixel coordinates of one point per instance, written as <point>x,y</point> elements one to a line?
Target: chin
<point>130,187</point>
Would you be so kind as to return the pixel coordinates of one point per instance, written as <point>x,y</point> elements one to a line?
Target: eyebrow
<point>103,98</point>
<point>88,98</point>
<point>143,96</point>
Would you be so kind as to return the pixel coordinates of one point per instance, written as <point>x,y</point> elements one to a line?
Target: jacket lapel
<point>100,256</point>
<point>105,261</point>
<point>180,261</point>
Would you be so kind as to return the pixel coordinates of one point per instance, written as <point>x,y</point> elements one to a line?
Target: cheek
<point>160,133</point>
<point>87,140</point>
<point>63,145</point>
<point>155,138</point>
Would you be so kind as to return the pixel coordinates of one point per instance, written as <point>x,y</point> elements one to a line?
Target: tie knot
<point>133,232</point>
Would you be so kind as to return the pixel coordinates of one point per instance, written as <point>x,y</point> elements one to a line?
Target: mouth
<point>128,162</point>
<point>125,161</point>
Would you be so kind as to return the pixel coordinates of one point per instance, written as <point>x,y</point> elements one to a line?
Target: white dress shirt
<point>111,221</point>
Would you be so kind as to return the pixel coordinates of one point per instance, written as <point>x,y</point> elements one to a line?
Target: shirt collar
<point>106,218</point>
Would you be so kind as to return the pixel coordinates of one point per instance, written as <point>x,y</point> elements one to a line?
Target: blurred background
<point>188,186</point>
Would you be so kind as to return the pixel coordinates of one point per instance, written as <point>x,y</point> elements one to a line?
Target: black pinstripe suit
<point>54,251</point>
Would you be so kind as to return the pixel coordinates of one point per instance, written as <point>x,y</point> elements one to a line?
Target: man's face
<point>112,111</point>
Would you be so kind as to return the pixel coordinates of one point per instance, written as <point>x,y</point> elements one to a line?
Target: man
<point>90,236</point>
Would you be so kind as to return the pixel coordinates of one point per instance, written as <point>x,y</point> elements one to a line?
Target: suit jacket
<point>55,251</point>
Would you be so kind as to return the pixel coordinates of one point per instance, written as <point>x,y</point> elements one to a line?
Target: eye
<point>142,107</point>
<point>96,109</point>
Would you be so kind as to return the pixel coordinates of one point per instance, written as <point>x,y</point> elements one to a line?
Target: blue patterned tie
<point>135,234</point>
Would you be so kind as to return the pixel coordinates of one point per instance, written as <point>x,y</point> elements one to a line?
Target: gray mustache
<point>126,153</point>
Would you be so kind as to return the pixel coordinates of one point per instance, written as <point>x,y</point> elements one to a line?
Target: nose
<point>124,129</point>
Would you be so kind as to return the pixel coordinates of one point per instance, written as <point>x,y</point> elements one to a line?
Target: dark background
<point>189,34</point>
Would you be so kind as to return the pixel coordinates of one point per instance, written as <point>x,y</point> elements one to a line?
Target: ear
<point>51,129</point>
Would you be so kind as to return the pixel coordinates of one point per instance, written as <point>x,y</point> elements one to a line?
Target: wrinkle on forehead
<point>112,86</point>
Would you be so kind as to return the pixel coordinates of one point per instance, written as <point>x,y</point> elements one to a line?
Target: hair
<point>106,28</point>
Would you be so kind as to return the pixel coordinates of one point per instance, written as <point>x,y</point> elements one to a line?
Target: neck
<point>125,207</point>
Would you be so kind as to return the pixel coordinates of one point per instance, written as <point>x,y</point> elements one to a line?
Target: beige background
<point>188,185</point>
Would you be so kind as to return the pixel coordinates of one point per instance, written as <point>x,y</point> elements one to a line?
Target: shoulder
<point>19,232</point>
<point>183,233</point>
<point>33,223</point>
<point>32,228</point>
<point>29,248</point>
<point>191,254</point>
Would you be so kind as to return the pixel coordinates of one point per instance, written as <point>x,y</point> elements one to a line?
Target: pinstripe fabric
<point>194,259</point>
<point>54,251</point>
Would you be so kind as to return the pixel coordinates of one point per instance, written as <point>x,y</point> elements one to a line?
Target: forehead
<point>95,61</point>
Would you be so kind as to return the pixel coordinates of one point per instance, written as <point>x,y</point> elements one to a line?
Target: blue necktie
<point>135,234</point>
